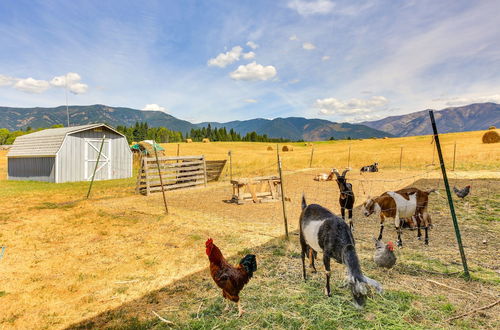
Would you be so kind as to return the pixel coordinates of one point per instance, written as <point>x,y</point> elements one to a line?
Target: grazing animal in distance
<point>404,203</point>
<point>346,198</point>
<point>231,279</point>
<point>462,193</point>
<point>384,254</point>
<point>324,231</point>
<point>369,168</point>
<point>324,177</point>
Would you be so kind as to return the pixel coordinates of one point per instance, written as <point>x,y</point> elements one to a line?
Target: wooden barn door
<point>92,147</point>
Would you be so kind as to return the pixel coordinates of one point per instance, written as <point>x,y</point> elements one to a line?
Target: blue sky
<point>227,60</point>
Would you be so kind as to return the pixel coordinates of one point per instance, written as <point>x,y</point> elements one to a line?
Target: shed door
<point>103,170</point>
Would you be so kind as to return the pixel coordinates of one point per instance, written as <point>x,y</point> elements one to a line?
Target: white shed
<point>70,154</point>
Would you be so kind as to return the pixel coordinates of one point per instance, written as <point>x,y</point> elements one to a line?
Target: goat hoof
<point>399,244</point>
<point>327,293</point>
<point>426,242</point>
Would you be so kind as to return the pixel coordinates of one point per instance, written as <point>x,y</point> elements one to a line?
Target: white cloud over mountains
<point>253,71</point>
<point>153,107</point>
<point>457,101</point>
<point>34,86</point>
<point>307,8</point>
<point>333,106</point>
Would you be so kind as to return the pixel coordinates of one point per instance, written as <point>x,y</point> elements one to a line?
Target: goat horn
<point>334,170</point>
<point>345,171</point>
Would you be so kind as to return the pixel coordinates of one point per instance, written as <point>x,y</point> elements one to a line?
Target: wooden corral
<point>176,173</point>
<point>257,190</point>
<point>287,148</point>
<point>205,140</point>
<point>214,169</point>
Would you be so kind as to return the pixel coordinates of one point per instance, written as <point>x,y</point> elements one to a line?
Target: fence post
<point>282,194</point>
<point>178,149</point>
<point>454,153</point>
<point>311,160</point>
<point>230,154</point>
<point>401,159</point>
<point>349,157</point>
<point>161,179</point>
<point>96,164</point>
<point>450,200</point>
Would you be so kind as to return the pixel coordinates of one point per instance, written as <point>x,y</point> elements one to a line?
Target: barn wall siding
<point>71,157</point>
<point>35,168</point>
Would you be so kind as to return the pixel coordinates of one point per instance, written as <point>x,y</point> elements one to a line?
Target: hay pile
<point>189,141</point>
<point>269,148</point>
<point>205,140</point>
<point>148,150</point>
<point>287,148</point>
<point>492,127</point>
<point>491,137</point>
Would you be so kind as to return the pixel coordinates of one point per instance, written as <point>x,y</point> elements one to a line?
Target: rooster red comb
<point>209,242</point>
<point>390,245</point>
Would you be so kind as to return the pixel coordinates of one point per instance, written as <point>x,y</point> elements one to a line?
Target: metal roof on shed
<point>48,141</point>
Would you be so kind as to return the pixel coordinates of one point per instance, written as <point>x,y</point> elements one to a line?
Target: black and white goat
<point>370,168</point>
<point>346,198</point>
<point>321,230</point>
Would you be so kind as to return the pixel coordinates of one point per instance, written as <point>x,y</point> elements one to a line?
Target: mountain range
<point>477,116</point>
<point>292,128</point>
<point>473,117</point>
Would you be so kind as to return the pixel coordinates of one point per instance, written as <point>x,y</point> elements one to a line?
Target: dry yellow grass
<point>69,259</point>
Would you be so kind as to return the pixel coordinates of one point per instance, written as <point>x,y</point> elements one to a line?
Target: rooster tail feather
<point>304,203</point>
<point>355,278</point>
<point>249,262</point>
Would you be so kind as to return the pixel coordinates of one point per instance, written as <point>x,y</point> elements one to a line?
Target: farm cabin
<point>70,154</point>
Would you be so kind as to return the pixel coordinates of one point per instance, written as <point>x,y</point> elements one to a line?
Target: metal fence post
<point>161,179</point>
<point>454,153</point>
<point>230,154</point>
<point>96,164</point>
<point>450,200</point>
<point>282,194</point>
<point>401,159</point>
<point>311,160</point>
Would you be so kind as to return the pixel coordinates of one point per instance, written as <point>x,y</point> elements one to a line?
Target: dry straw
<point>287,148</point>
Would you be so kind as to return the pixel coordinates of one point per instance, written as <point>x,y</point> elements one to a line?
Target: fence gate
<point>103,171</point>
<point>176,173</point>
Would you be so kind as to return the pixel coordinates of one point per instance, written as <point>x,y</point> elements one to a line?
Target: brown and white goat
<point>324,176</point>
<point>404,203</point>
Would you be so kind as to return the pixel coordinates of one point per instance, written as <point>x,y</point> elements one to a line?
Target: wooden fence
<point>214,169</point>
<point>176,172</point>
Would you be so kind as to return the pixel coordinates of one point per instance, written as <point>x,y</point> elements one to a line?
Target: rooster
<point>384,254</point>
<point>231,279</point>
<point>462,193</point>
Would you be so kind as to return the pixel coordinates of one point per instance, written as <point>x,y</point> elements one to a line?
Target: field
<point>113,259</point>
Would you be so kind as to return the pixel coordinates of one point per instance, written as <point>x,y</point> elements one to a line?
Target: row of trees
<point>142,131</point>
<point>221,134</point>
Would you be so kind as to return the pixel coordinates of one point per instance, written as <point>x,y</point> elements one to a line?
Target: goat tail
<point>304,204</point>
<point>358,283</point>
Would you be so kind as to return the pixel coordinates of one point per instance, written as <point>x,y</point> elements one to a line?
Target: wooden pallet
<point>257,190</point>
<point>214,169</point>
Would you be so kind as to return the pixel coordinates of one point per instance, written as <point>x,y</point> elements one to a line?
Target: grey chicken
<point>462,193</point>
<point>384,254</point>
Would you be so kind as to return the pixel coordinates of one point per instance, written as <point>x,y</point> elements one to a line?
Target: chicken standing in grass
<point>384,254</point>
<point>462,193</point>
<point>231,279</point>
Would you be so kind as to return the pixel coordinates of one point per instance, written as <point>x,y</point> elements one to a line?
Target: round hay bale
<point>189,141</point>
<point>269,148</point>
<point>385,137</point>
<point>205,140</point>
<point>148,150</point>
<point>287,148</point>
<point>491,137</point>
<point>492,127</point>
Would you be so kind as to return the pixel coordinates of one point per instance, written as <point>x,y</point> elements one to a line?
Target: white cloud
<point>329,106</point>
<point>30,85</point>
<point>252,45</point>
<point>250,101</point>
<point>253,71</point>
<point>153,107</point>
<point>6,80</point>
<point>294,81</point>
<point>306,8</point>
<point>325,58</point>
<point>457,101</point>
<point>308,46</point>
<point>224,59</point>
<point>249,55</point>
<point>72,81</point>
<point>293,37</point>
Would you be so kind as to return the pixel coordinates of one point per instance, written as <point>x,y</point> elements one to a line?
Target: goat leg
<point>351,224</point>
<point>326,261</point>
<point>312,256</point>
<point>426,240</point>
<point>303,256</point>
